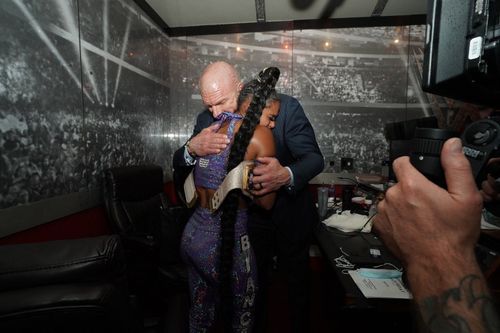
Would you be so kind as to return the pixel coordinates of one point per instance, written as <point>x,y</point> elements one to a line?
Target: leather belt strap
<point>238,177</point>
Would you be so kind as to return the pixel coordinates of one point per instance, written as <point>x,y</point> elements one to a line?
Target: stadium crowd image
<point>90,88</point>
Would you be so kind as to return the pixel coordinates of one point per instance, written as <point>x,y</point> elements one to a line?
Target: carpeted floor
<point>327,313</point>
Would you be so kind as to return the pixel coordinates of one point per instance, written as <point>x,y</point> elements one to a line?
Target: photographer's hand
<point>428,224</point>
<point>434,232</point>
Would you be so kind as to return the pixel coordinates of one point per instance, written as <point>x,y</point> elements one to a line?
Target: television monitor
<point>462,51</point>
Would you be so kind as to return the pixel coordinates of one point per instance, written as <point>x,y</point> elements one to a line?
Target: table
<point>334,243</point>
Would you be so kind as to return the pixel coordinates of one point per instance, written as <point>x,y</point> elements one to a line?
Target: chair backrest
<point>134,198</point>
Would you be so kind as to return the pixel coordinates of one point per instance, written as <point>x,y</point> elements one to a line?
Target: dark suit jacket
<point>296,147</point>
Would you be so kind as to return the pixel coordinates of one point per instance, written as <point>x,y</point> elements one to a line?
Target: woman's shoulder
<point>263,136</point>
<point>262,132</point>
<point>261,144</point>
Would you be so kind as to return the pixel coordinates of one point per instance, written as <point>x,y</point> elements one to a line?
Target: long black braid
<point>260,89</point>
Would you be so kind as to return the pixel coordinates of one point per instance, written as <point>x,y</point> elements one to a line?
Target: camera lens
<point>426,151</point>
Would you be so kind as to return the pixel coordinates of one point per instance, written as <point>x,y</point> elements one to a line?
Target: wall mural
<point>350,82</point>
<point>83,87</point>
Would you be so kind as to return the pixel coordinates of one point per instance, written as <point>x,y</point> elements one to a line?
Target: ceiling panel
<point>282,10</point>
<point>186,13</point>
<point>355,8</point>
<point>397,7</point>
<point>192,13</point>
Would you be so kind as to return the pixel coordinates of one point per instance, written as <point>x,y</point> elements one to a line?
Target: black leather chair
<point>134,200</point>
<point>65,286</point>
<point>151,229</point>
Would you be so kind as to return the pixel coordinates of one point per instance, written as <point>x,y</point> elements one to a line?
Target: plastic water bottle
<point>331,191</point>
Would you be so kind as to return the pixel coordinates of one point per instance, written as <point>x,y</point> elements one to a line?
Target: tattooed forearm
<point>466,308</point>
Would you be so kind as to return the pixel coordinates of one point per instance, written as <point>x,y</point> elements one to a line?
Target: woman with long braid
<point>215,245</point>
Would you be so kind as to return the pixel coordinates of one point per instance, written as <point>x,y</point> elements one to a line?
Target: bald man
<point>286,230</point>
<point>219,88</point>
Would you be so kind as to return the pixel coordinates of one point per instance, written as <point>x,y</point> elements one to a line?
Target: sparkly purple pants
<point>200,250</point>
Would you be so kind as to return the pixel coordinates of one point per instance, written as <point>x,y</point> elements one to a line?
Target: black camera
<point>425,152</point>
<point>480,140</point>
<point>462,50</point>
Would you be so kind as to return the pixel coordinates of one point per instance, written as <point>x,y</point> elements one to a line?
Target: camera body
<point>480,140</point>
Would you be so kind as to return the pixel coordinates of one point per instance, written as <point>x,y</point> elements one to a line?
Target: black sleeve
<point>301,142</point>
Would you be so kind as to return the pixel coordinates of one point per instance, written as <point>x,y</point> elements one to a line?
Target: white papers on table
<point>348,222</point>
<point>380,288</point>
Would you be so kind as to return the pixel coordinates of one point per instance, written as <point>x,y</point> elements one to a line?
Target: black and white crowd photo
<point>82,90</point>
<point>249,166</point>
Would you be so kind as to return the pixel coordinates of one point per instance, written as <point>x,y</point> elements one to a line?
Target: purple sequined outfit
<point>210,170</point>
<point>200,249</point>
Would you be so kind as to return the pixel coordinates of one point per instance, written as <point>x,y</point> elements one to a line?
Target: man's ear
<point>240,86</point>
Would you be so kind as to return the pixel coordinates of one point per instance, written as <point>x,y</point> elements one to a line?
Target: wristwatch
<point>189,150</point>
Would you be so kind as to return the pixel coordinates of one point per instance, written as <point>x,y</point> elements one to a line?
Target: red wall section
<point>88,223</point>
<point>169,189</point>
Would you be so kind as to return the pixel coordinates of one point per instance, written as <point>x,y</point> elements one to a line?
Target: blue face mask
<point>375,273</point>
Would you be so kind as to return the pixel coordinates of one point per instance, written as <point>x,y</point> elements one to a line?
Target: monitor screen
<point>462,52</point>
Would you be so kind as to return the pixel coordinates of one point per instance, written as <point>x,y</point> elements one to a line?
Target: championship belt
<point>190,190</point>
<point>239,177</point>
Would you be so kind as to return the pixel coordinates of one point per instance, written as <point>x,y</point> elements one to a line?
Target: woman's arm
<point>262,145</point>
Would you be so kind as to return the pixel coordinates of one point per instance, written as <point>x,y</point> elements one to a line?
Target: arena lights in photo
<point>82,90</point>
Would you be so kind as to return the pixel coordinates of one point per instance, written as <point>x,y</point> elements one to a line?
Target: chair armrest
<point>139,242</point>
<point>65,261</point>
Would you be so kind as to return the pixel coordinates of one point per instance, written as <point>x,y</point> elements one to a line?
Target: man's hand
<point>269,175</point>
<point>208,141</point>
<point>421,221</point>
